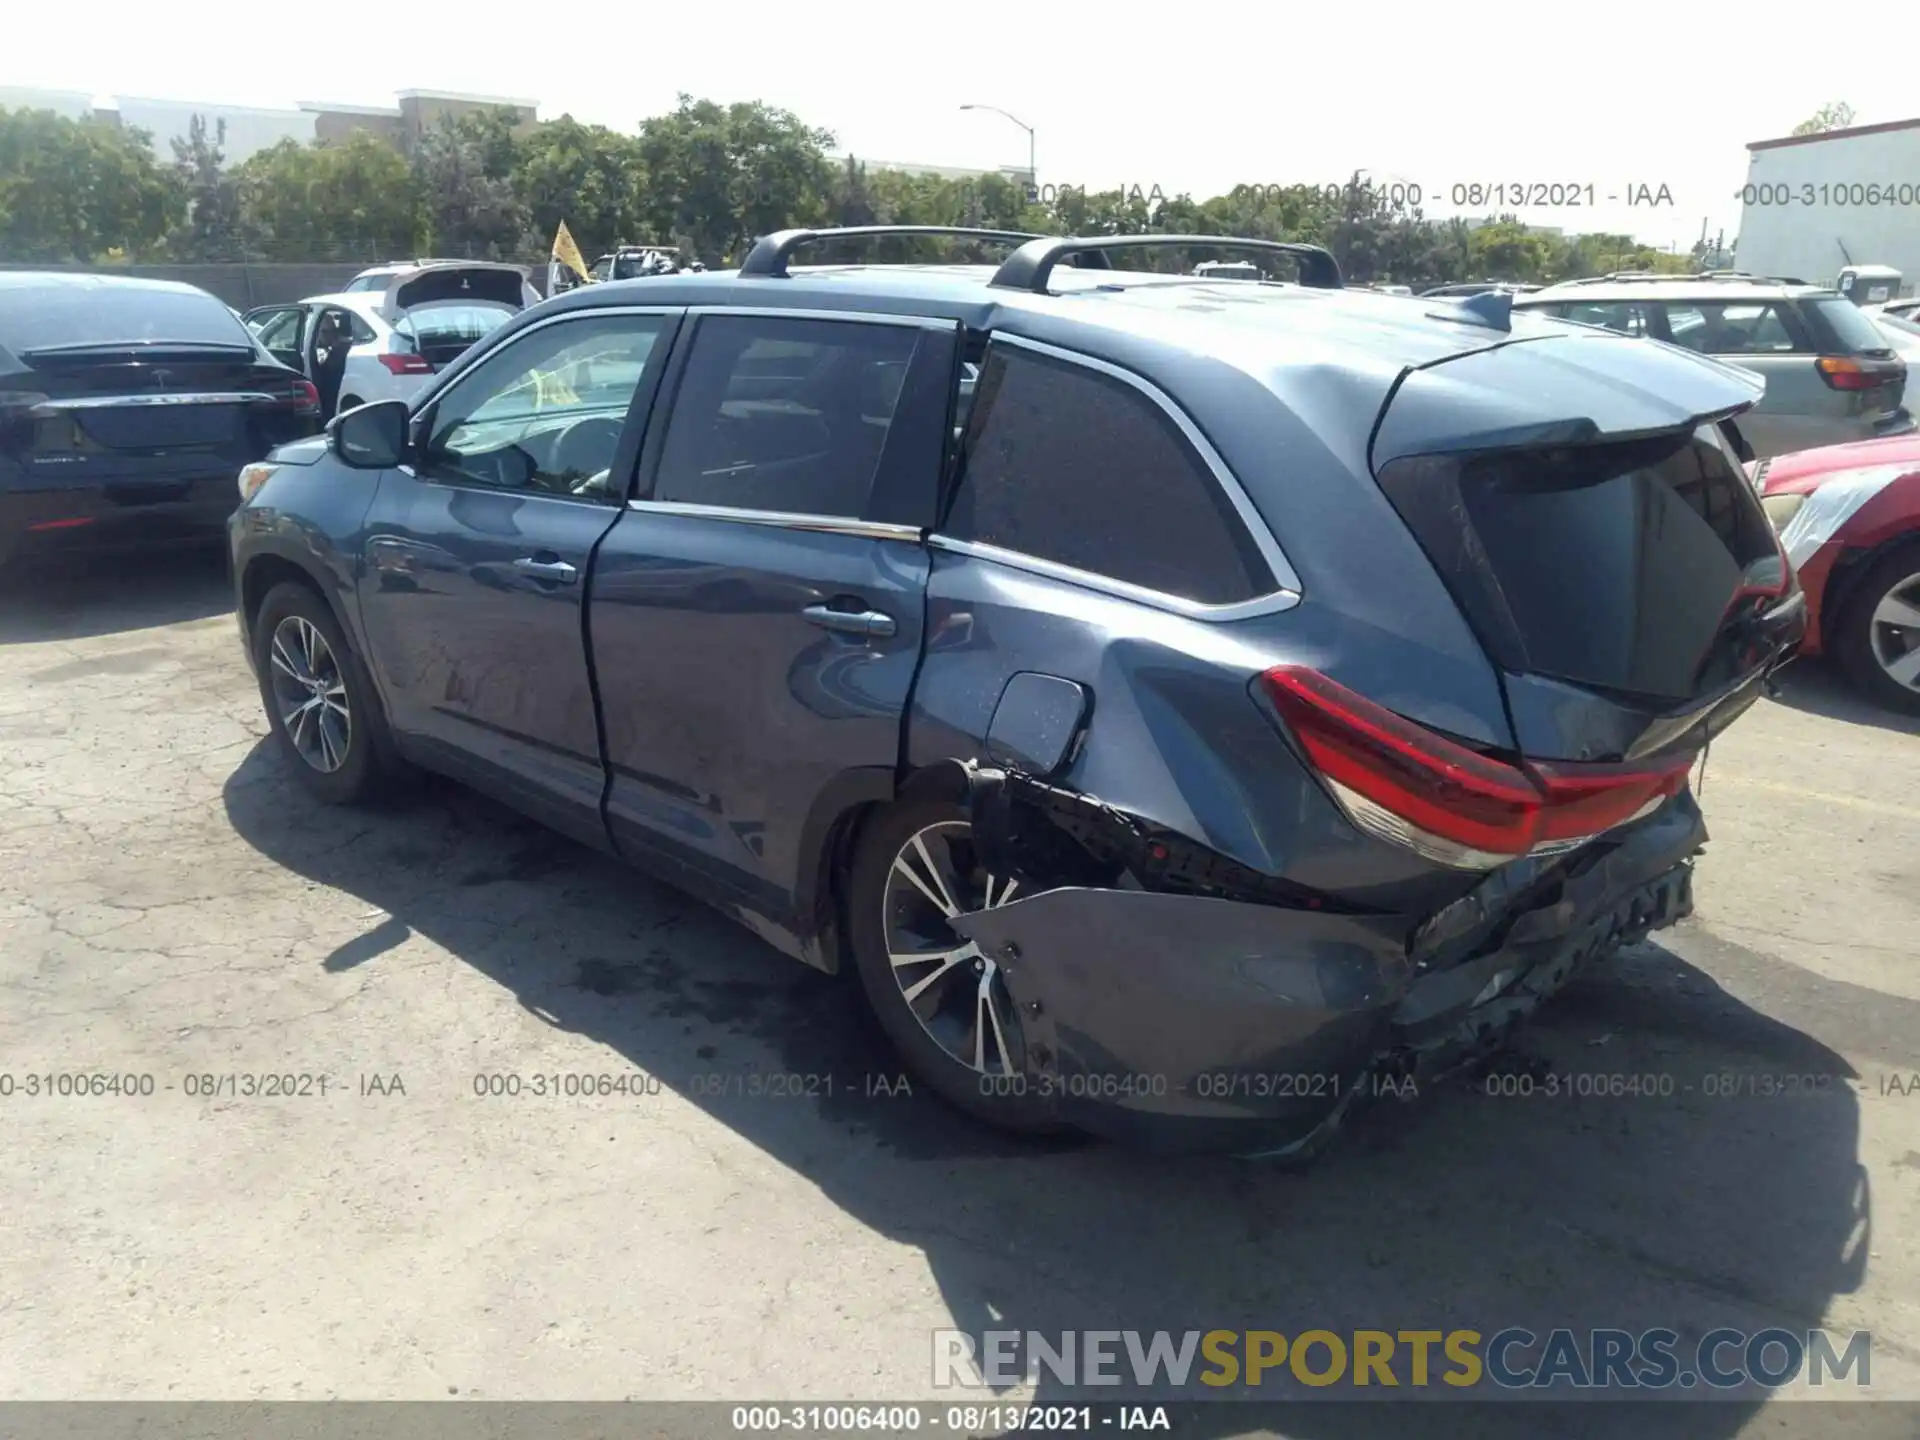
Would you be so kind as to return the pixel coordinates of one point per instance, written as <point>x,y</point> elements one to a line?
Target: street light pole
<point>1033,174</point>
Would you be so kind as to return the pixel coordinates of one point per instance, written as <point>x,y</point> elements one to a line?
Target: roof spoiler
<point>1029,267</point>
<point>771,253</point>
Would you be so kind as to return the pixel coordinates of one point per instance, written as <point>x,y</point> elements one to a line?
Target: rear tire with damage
<point>941,1003</point>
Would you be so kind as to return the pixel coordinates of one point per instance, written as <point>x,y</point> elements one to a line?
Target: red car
<point>1849,517</point>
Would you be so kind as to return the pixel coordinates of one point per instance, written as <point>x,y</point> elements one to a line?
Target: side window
<point>278,329</point>
<point>544,413</point>
<point>602,268</point>
<point>358,328</point>
<point>784,415</point>
<point>1754,328</point>
<point>1067,464</point>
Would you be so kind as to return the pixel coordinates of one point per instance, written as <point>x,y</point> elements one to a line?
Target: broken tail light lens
<point>1406,784</point>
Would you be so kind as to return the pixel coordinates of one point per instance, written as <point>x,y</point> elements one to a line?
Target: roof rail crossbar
<point>770,253</point>
<point>1029,267</point>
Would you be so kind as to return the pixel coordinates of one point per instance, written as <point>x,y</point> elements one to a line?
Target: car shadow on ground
<point>1819,688</point>
<point>1677,1208</point>
<point>81,596</point>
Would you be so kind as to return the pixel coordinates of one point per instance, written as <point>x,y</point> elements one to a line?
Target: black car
<point>1183,717</point>
<point>126,407</point>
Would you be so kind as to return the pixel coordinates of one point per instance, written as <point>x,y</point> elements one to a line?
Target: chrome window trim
<point>853,317</point>
<point>1271,603</point>
<point>423,401</point>
<point>782,519</point>
<point>1286,580</point>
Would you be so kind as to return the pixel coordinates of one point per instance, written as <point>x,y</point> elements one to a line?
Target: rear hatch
<point>1856,356</point>
<point>115,401</point>
<point>1585,508</point>
<point>439,311</point>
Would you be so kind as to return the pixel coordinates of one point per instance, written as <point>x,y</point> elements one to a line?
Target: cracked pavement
<point>170,906</point>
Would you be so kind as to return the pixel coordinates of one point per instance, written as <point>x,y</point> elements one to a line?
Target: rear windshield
<point>1851,325</point>
<point>440,323</point>
<point>67,315</point>
<point>1625,567</point>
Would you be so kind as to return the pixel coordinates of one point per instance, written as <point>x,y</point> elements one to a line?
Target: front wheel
<point>1878,640</point>
<point>319,699</point>
<point>943,1003</point>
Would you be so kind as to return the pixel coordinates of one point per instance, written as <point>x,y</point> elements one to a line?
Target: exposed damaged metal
<point>1150,972</point>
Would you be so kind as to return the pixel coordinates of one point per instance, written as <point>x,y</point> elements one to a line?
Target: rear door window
<point>786,416</point>
<point>1069,464</point>
<point>1625,566</point>
<point>1734,328</point>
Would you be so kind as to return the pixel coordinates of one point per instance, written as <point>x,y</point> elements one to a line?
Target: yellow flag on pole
<point>568,253</point>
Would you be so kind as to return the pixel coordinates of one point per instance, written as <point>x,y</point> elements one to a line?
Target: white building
<point>1815,203</point>
<point>72,104</point>
<point>249,129</point>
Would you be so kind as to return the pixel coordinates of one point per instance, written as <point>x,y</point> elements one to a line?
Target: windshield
<point>1851,325</point>
<point>68,316</point>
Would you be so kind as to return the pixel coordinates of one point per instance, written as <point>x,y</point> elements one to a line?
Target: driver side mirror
<point>371,437</point>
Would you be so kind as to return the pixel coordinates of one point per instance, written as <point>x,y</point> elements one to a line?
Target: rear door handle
<point>557,571</point>
<point>871,623</point>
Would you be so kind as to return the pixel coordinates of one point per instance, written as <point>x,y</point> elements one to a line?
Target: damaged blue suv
<point>1182,703</point>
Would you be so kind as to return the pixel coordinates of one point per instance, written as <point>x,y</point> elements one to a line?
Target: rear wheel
<point>943,1003</point>
<point>348,402</point>
<point>1878,639</point>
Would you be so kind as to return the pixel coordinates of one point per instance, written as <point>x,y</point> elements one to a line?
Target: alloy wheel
<point>954,990</point>
<point>1894,632</point>
<point>311,694</point>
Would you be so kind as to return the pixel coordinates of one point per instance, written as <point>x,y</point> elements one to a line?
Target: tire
<point>340,748</point>
<point>348,402</point>
<point>934,1049</point>
<point>1865,643</point>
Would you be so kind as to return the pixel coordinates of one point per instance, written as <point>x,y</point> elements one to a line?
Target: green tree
<point>719,175</point>
<point>349,199</point>
<point>1828,117</point>
<point>73,190</point>
<point>589,176</point>
<point>212,229</point>
<point>465,169</point>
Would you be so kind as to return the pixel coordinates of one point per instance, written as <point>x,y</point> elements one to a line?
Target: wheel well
<point>264,572</point>
<point>1846,577</point>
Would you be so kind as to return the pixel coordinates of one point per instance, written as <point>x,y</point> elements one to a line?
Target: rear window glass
<point>453,322</point>
<point>1626,567</point>
<point>1750,328</point>
<point>61,315</point>
<point>1850,326</point>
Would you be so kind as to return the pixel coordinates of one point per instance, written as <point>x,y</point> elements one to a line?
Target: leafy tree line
<point>706,176</point>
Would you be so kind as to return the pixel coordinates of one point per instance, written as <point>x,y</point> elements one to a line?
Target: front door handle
<point>557,571</point>
<point>870,623</point>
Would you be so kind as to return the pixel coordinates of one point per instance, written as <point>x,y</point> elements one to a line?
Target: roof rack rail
<point>770,253</point>
<point>1029,267</point>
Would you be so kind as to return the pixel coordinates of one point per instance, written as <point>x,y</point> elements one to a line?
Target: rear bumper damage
<point>1184,1015</point>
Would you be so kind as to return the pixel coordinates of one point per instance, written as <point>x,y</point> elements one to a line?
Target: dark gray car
<point>1190,707</point>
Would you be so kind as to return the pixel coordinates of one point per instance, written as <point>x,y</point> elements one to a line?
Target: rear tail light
<point>299,395</point>
<point>406,364</point>
<point>1406,784</point>
<point>1843,372</point>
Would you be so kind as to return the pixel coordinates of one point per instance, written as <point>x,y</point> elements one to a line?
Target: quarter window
<point>784,415</point>
<point>1729,329</point>
<point>1067,464</point>
<point>544,412</point>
